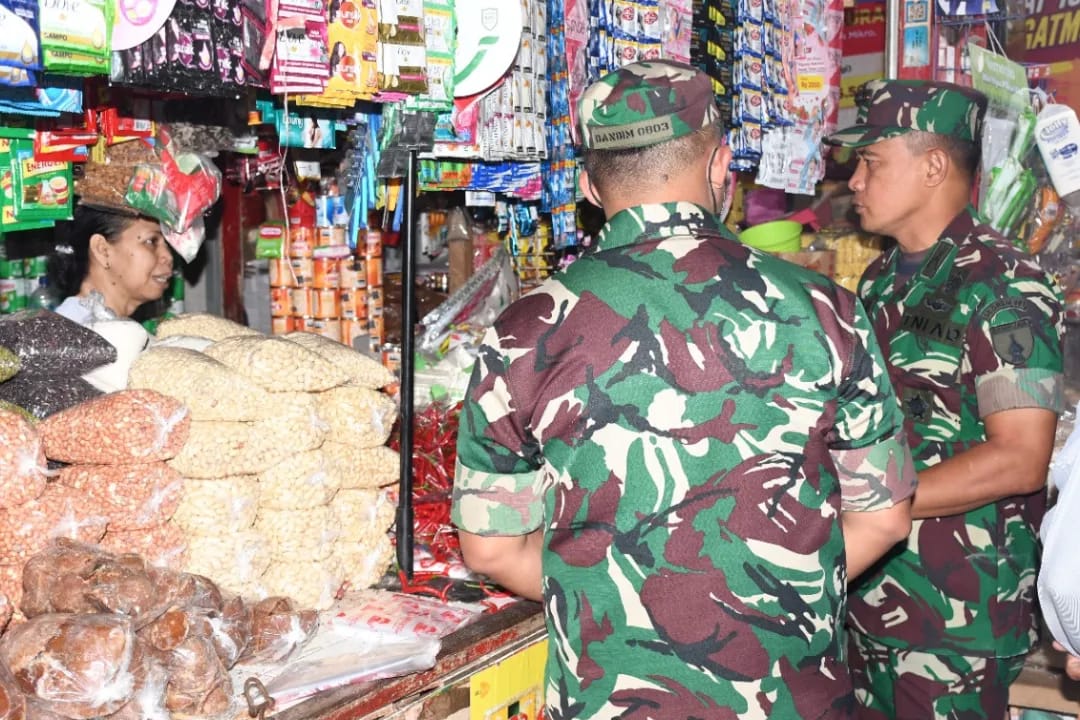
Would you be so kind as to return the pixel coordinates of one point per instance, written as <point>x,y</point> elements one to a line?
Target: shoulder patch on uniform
<point>1010,329</point>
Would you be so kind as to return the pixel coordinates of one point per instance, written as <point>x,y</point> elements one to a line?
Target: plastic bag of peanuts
<point>303,482</point>
<point>361,369</point>
<point>202,325</point>
<point>133,497</point>
<point>22,461</point>
<point>224,506</point>
<point>357,415</point>
<point>130,426</point>
<point>277,365</point>
<point>297,535</point>
<point>209,389</point>
<point>60,511</point>
<point>358,467</point>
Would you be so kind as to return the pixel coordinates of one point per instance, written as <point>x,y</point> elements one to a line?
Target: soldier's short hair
<point>638,169</point>
<point>964,154</point>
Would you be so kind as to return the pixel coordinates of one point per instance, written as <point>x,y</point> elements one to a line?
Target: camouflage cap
<point>888,108</point>
<point>645,104</point>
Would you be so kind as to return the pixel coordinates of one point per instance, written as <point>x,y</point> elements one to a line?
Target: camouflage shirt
<point>974,331</point>
<point>685,418</point>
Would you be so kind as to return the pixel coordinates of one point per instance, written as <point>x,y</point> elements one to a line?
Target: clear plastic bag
<point>12,701</point>
<point>44,396</point>
<point>50,344</point>
<point>131,426</point>
<point>80,666</point>
<point>22,461</point>
<point>493,287</point>
<point>345,656</point>
<point>278,628</point>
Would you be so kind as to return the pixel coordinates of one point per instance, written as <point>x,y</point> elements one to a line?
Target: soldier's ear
<point>588,189</point>
<point>938,163</point>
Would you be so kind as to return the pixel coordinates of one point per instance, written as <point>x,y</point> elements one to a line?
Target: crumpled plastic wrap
<point>131,426</point>
<point>12,701</point>
<point>491,289</point>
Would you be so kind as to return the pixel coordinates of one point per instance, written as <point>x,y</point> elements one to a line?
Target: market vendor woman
<point>122,257</point>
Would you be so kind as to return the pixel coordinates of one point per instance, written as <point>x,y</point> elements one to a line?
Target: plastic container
<point>775,236</point>
<point>1057,133</point>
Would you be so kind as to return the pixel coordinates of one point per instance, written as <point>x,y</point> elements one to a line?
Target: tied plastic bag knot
<point>318,479</point>
<point>73,522</point>
<point>161,497</point>
<point>165,424</point>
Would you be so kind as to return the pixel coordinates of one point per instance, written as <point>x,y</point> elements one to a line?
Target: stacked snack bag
<point>117,482</point>
<point>285,454</point>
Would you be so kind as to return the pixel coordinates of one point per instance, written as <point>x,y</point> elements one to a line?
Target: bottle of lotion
<point>1057,133</point>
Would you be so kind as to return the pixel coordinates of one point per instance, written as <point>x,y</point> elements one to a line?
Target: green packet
<point>8,221</point>
<point>76,35</point>
<point>149,193</point>
<point>75,63</point>
<point>42,189</point>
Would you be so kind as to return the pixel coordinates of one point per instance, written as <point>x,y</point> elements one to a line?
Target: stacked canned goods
<point>329,289</point>
<point>19,279</point>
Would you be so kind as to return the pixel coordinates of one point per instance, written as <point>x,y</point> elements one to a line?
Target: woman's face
<point>140,263</point>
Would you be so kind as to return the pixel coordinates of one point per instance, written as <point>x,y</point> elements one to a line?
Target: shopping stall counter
<point>444,689</point>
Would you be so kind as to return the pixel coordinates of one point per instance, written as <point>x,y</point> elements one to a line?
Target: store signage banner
<point>1004,82</point>
<point>1051,38</point>
<point>863,39</point>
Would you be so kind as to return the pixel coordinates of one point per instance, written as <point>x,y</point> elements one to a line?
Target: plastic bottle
<point>41,297</point>
<point>1057,132</point>
<point>176,295</point>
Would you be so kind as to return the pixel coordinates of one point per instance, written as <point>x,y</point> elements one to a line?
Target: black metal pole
<point>408,297</point>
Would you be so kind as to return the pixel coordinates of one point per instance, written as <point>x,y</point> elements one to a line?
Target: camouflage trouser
<point>893,684</point>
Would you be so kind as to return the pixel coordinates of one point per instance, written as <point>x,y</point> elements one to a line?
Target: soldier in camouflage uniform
<point>969,327</point>
<point>681,431</point>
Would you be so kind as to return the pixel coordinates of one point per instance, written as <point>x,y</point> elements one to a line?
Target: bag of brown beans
<point>126,427</point>
<point>22,461</point>
<point>133,497</point>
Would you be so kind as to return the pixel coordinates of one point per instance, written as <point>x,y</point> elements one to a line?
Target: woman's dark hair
<point>70,263</point>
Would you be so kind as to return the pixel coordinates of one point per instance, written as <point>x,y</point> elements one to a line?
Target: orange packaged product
<point>280,301</point>
<point>303,271</point>
<point>352,273</point>
<point>325,273</point>
<point>281,273</point>
<point>282,325</point>
<point>300,302</point>
<point>301,241</point>
<point>327,304</point>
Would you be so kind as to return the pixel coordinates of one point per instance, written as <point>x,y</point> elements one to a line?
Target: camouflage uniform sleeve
<point>1015,347</point>
<point>497,480</point>
<point>869,446</point>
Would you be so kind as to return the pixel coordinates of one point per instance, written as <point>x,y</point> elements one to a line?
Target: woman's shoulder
<point>73,309</point>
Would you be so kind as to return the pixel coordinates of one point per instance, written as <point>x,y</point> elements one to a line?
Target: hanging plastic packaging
<point>1057,132</point>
